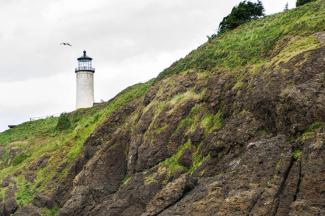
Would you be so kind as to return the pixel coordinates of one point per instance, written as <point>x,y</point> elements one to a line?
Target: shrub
<point>286,7</point>
<point>240,14</point>
<point>302,2</point>
<point>63,122</point>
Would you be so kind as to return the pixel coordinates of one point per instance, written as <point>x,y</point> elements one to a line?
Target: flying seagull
<point>65,44</point>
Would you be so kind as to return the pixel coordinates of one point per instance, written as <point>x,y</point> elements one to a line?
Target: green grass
<point>49,212</point>
<point>188,95</point>
<point>239,85</point>
<point>19,159</point>
<point>295,46</point>
<point>212,122</point>
<point>149,179</point>
<point>296,154</point>
<point>314,126</point>
<point>192,120</point>
<point>198,160</point>
<point>24,194</point>
<point>61,140</point>
<point>27,130</point>
<point>310,131</point>
<point>251,43</point>
<point>200,117</point>
<point>126,180</point>
<point>172,163</point>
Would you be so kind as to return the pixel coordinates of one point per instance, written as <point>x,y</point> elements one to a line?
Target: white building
<point>85,82</point>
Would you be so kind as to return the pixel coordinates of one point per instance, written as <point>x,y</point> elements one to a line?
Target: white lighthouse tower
<point>85,82</point>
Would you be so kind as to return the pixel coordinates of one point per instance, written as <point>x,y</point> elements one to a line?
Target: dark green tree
<point>63,122</point>
<point>286,7</point>
<point>240,14</point>
<point>302,2</point>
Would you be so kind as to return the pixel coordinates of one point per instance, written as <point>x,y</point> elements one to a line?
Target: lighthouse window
<point>86,64</point>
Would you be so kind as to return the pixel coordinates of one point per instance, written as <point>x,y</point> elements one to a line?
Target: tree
<point>286,7</point>
<point>240,14</point>
<point>63,122</point>
<point>302,2</point>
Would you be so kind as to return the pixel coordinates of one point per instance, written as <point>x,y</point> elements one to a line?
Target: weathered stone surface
<point>169,195</point>
<point>10,206</point>
<point>186,159</point>
<point>40,163</point>
<point>13,152</point>
<point>321,37</point>
<point>100,177</point>
<point>28,210</point>
<point>6,181</point>
<point>153,149</point>
<point>43,201</point>
<point>196,136</point>
<point>9,203</point>
<point>30,176</point>
<point>136,164</point>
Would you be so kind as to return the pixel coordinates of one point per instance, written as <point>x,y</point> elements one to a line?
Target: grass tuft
<point>297,153</point>
<point>212,122</point>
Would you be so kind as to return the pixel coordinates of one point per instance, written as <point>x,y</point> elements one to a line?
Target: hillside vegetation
<point>35,152</point>
<point>257,43</point>
<point>234,128</point>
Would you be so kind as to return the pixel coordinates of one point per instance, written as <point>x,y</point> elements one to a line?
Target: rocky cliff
<point>197,145</point>
<point>237,127</point>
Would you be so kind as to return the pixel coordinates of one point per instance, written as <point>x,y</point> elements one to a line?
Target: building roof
<point>84,57</point>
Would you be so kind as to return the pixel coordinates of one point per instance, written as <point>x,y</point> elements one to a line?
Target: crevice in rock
<point>276,200</point>
<point>255,202</point>
<point>135,160</point>
<point>298,183</point>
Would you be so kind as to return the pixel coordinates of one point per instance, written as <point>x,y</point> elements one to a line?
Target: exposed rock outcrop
<point>196,145</point>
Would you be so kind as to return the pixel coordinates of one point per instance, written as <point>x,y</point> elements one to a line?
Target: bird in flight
<point>65,44</point>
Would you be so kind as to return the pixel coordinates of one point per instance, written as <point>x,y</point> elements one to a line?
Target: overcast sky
<point>130,41</point>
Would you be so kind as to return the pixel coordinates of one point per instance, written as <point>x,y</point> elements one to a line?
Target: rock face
<point>169,195</point>
<point>200,145</point>
<point>28,210</point>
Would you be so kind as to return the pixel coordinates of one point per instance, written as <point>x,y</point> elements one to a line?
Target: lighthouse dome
<point>84,57</point>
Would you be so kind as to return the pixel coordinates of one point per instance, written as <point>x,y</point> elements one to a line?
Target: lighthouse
<point>84,82</point>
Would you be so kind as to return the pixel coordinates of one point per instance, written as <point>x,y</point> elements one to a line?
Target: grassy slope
<point>251,44</point>
<point>263,42</point>
<point>34,139</point>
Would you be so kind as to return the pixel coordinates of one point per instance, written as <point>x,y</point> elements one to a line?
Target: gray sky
<point>130,41</point>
